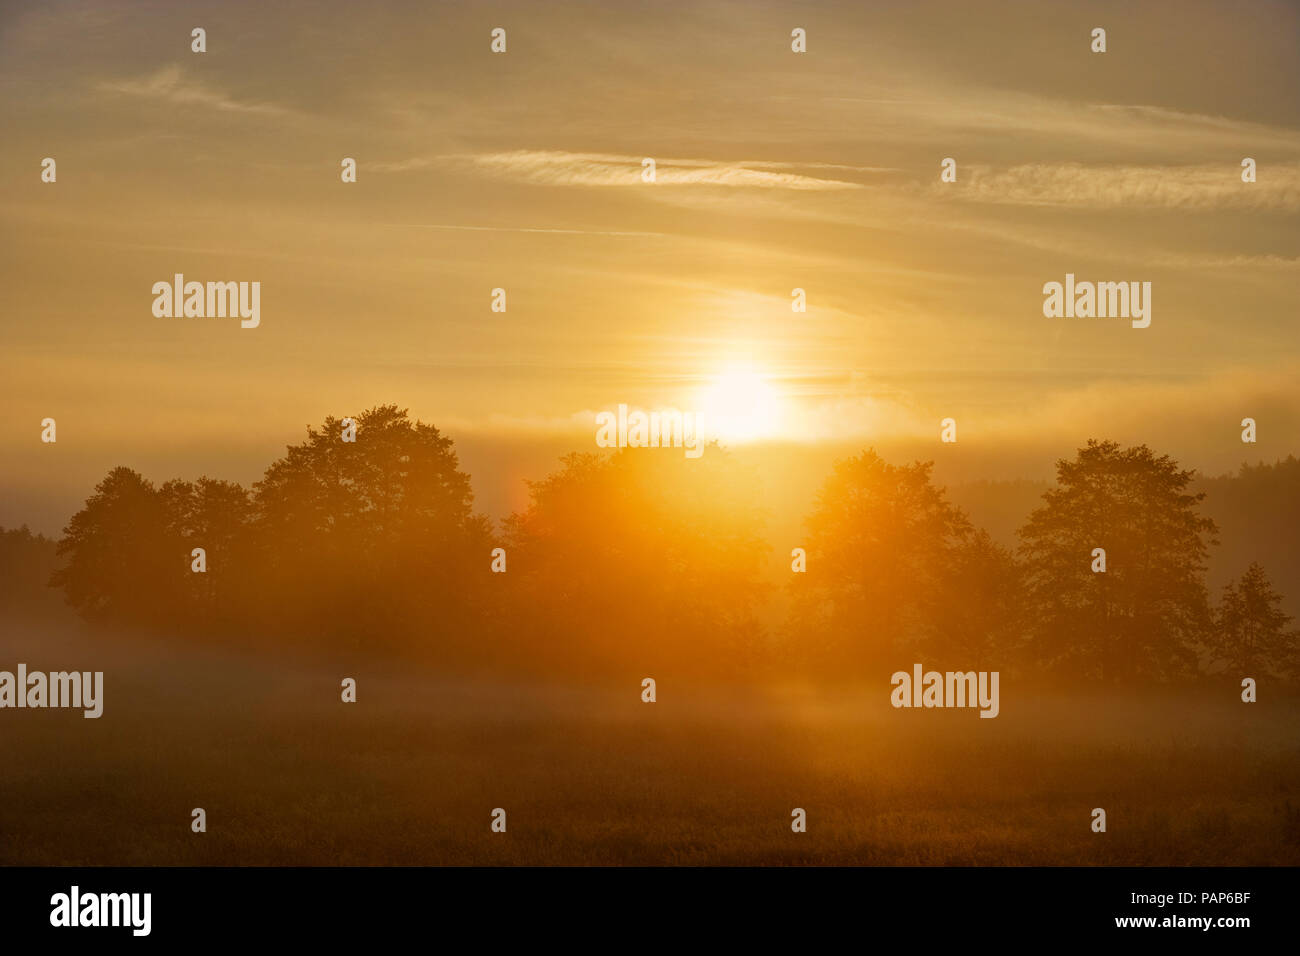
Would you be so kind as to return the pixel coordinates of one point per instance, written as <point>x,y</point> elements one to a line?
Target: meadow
<point>588,774</point>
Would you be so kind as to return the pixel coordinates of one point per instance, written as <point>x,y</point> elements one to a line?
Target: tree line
<point>645,561</point>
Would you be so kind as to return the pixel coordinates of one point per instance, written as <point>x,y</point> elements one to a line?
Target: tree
<point>895,569</point>
<point>1257,510</point>
<point>1251,634</point>
<point>26,562</point>
<point>1143,615</point>
<point>213,515</point>
<point>642,562</point>
<point>121,561</point>
<point>370,541</point>
<point>982,616</point>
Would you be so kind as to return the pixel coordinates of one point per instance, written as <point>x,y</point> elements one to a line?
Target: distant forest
<point>643,560</point>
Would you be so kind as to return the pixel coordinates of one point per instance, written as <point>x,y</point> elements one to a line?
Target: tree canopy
<point>643,561</point>
<point>1144,615</point>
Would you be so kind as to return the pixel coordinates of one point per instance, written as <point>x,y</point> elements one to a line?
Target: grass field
<point>410,774</point>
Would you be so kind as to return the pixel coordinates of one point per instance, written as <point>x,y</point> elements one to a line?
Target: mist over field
<point>590,775</point>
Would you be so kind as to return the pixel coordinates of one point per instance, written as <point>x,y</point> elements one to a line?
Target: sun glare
<point>739,406</point>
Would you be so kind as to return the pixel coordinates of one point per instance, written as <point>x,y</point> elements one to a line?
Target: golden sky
<point>522,171</point>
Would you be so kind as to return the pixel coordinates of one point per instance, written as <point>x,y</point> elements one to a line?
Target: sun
<point>739,405</point>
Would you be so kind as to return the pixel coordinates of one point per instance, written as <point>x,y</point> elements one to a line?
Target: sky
<point>522,171</point>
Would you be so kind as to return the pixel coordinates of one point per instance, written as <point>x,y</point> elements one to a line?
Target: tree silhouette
<point>1251,636</point>
<point>644,561</point>
<point>121,561</point>
<point>212,515</point>
<point>896,569</point>
<point>641,560</point>
<point>1144,615</point>
<point>1258,510</point>
<point>372,540</point>
<point>26,562</point>
<point>981,619</point>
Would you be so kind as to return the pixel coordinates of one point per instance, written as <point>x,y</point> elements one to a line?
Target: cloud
<point>1176,412</point>
<point>559,168</point>
<point>1108,187</point>
<point>169,85</point>
<point>927,115</point>
<point>575,426</point>
<point>1264,263</point>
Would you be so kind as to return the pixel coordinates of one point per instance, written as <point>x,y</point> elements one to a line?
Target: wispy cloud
<point>1185,187</point>
<point>559,168</point>
<point>170,85</point>
<point>928,115</point>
